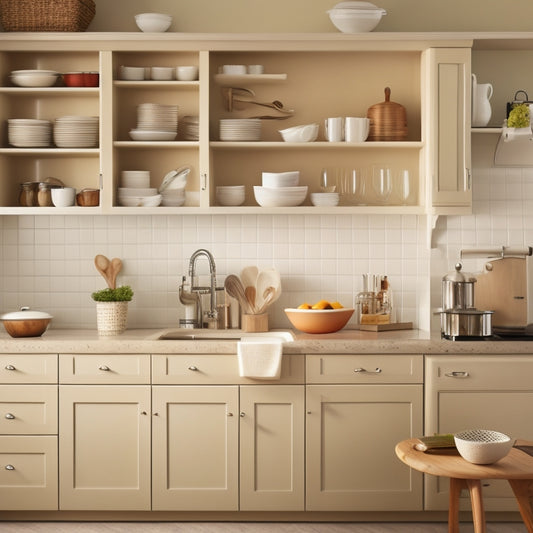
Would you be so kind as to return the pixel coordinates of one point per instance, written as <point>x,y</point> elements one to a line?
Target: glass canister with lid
<point>28,194</point>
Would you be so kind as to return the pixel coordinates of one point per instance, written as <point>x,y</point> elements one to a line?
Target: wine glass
<point>382,183</point>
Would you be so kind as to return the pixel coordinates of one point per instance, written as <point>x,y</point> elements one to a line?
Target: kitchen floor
<point>248,527</point>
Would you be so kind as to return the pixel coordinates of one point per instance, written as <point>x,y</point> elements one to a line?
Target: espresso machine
<point>504,286</point>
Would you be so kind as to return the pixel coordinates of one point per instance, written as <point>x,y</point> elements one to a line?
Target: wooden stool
<point>516,468</point>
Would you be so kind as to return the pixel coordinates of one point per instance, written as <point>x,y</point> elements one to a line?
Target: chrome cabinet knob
<point>193,368</point>
<point>10,416</point>
<point>364,370</point>
<point>10,467</point>
<point>10,367</point>
<point>104,368</point>
<point>457,374</point>
<point>242,414</point>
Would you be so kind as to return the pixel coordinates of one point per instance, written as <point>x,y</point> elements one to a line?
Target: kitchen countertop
<point>343,342</point>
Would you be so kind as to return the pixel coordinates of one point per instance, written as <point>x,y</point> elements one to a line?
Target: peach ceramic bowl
<point>319,320</point>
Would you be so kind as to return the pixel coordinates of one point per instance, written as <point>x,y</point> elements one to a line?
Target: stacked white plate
<point>240,129</point>
<point>29,133</point>
<point>76,132</point>
<point>156,122</point>
<point>188,128</point>
<point>325,199</point>
<point>138,197</point>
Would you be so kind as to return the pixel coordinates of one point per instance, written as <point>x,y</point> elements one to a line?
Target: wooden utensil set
<point>109,269</point>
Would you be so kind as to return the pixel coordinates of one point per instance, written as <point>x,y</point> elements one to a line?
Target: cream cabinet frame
<point>347,74</point>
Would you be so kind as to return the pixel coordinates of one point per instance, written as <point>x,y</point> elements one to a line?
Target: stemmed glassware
<point>382,183</point>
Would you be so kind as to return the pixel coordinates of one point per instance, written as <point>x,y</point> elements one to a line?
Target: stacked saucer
<point>325,199</point>
<point>156,122</point>
<point>29,133</point>
<point>240,129</point>
<point>76,132</point>
<point>188,128</point>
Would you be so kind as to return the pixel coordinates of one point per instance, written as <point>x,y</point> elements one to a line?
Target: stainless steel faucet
<point>190,292</point>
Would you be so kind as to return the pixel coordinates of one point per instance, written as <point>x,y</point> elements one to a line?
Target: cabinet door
<point>195,448</point>
<point>104,447</point>
<point>448,126</point>
<point>489,392</point>
<point>272,448</point>
<point>352,431</point>
<point>28,473</point>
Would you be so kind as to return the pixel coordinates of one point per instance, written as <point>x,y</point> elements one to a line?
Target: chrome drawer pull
<point>230,414</point>
<point>10,467</point>
<point>9,416</point>
<point>364,370</point>
<point>193,368</point>
<point>457,374</point>
<point>104,368</point>
<point>10,367</point>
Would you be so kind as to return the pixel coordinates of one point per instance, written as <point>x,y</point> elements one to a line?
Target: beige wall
<point>310,15</point>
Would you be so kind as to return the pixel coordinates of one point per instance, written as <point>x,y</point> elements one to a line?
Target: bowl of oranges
<point>321,317</point>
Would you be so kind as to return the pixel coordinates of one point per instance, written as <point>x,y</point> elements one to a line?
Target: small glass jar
<point>44,196</point>
<point>28,194</point>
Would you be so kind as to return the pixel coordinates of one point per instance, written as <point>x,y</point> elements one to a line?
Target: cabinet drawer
<point>104,368</point>
<point>216,369</point>
<point>28,409</point>
<point>494,372</point>
<point>28,368</point>
<point>364,368</point>
<point>28,473</point>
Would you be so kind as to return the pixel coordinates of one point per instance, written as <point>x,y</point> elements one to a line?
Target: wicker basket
<point>111,317</point>
<point>46,15</point>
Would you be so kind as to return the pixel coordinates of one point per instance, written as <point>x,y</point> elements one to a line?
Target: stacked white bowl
<point>280,189</point>
<point>76,132</point>
<point>135,190</point>
<point>156,122</point>
<point>172,188</point>
<point>325,199</point>
<point>29,132</point>
<point>231,195</point>
<point>34,78</point>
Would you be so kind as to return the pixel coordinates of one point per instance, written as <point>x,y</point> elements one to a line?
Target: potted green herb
<point>112,309</point>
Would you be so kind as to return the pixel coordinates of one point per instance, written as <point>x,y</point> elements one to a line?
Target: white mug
<point>356,129</point>
<point>334,129</point>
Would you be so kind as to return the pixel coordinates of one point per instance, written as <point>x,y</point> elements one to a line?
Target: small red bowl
<point>91,79</point>
<point>73,79</point>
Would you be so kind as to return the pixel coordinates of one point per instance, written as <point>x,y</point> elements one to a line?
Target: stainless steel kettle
<point>458,289</point>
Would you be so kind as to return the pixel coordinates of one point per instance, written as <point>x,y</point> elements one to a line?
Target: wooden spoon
<point>249,292</point>
<point>268,298</point>
<point>101,262</point>
<point>234,288</point>
<point>114,268</point>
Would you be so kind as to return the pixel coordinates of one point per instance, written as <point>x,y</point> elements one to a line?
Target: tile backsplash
<point>47,261</point>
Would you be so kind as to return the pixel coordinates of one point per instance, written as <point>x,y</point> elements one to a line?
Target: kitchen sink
<point>218,335</point>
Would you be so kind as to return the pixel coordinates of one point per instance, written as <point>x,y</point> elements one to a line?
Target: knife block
<point>254,323</point>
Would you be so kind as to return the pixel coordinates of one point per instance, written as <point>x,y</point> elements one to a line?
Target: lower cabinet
<point>228,448</point>
<point>365,406</point>
<point>104,443</point>
<point>478,391</point>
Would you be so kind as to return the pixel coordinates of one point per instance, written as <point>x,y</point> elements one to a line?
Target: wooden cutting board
<point>386,327</point>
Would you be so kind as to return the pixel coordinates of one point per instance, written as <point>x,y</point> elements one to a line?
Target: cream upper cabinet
<point>447,125</point>
<point>352,428</point>
<point>479,391</point>
<point>347,75</point>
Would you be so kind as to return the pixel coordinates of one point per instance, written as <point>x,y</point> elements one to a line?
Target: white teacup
<point>187,73</point>
<point>234,70</point>
<point>356,129</point>
<point>334,129</point>
<point>63,196</point>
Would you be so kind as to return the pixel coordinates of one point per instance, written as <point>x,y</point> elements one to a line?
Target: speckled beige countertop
<point>343,342</point>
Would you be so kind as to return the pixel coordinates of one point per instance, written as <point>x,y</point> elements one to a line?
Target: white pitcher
<point>481,109</point>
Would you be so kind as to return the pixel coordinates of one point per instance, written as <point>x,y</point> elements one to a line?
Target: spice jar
<point>44,196</point>
<point>28,194</point>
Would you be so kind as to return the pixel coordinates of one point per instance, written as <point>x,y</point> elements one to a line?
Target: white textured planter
<point>111,317</point>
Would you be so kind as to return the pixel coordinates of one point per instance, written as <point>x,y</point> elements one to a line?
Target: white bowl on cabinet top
<point>153,22</point>
<point>280,196</point>
<point>300,134</point>
<point>280,179</point>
